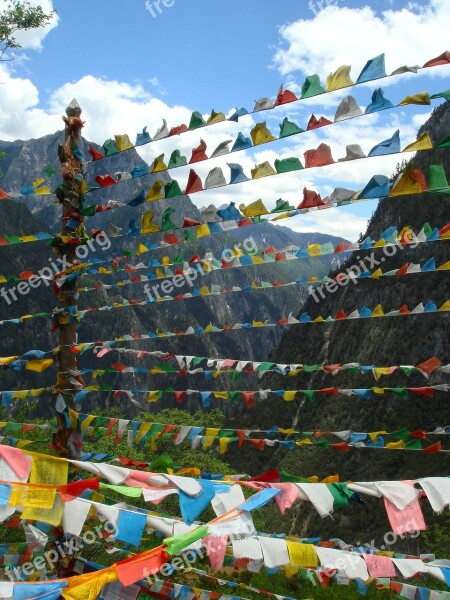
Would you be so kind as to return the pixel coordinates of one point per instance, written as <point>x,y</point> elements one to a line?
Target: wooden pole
<point>66,440</point>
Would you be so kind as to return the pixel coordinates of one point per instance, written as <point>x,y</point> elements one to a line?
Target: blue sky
<point>204,53</point>
<point>129,69</point>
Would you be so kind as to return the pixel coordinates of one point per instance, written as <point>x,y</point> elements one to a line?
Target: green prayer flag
<point>288,128</point>
<point>110,147</point>
<point>445,143</point>
<point>172,189</point>
<point>401,434</point>
<point>131,492</point>
<point>436,177</point>
<point>176,160</point>
<point>177,543</point>
<point>312,87</point>
<point>166,221</point>
<point>413,445</point>
<point>340,493</point>
<point>234,396</point>
<point>282,205</point>
<point>445,95</point>
<point>402,392</point>
<point>49,170</point>
<point>310,394</point>
<point>288,164</point>
<point>162,462</point>
<point>196,120</point>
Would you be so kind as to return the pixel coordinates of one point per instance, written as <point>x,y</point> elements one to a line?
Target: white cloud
<point>33,38</point>
<point>339,34</point>
<point>334,221</point>
<point>114,107</point>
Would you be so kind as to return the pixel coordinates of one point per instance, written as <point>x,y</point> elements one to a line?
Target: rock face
<point>24,162</point>
<point>407,340</point>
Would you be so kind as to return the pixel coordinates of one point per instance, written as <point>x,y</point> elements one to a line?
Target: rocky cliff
<point>25,161</point>
<point>406,340</point>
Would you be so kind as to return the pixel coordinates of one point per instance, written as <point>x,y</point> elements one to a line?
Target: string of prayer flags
<point>237,258</point>
<point>313,282</point>
<point>191,229</point>
<point>260,134</point>
<point>373,70</point>
<point>70,314</point>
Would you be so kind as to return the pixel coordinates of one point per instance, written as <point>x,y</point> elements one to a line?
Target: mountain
<point>24,162</point>
<point>406,340</point>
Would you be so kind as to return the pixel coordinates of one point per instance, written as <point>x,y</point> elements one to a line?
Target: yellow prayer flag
<point>261,135</point>
<point>48,470</point>
<point>253,209</point>
<point>158,164</point>
<point>38,182</point>
<point>152,396</point>
<point>210,436</point>
<point>379,371</point>
<point>88,586</point>
<point>289,395</point>
<point>39,497</point>
<point>378,311</point>
<point>147,225</point>
<point>420,98</point>
<point>223,445</point>
<point>141,249</point>
<point>339,79</point>
<point>203,230</point>
<point>396,445</point>
<point>6,360</point>
<point>17,496</point>
<point>444,307</point>
<point>38,366</point>
<point>43,191</point>
<point>257,260</point>
<point>123,142</point>
<point>215,117</point>
<point>143,429</point>
<point>374,435</point>
<point>422,143</point>
<point>156,192</point>
<point>87,421</point>
<point>265,169</point>
<point>376,274</point>
<point>302,555</point>
<point>314,250</point>
<point>52,515</point>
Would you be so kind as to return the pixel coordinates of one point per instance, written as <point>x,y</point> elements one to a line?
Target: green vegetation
<point>19,15</point>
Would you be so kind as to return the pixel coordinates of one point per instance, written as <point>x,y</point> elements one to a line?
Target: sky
<point>131,64</point>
